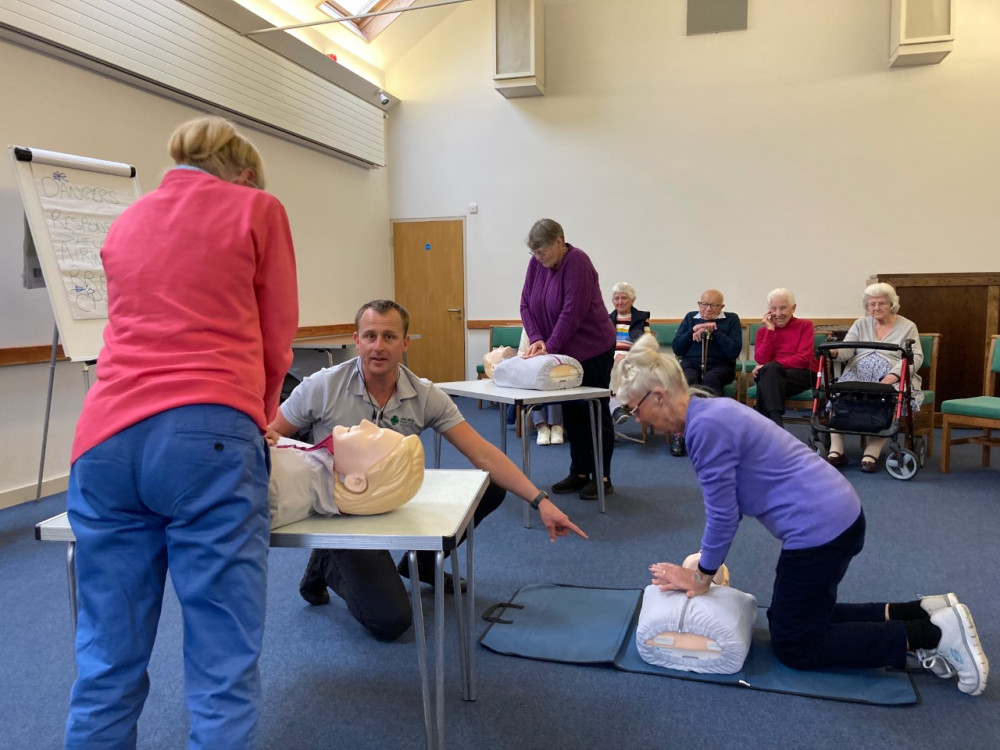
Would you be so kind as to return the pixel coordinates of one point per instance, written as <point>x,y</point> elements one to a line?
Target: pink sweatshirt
<point>202,306</point>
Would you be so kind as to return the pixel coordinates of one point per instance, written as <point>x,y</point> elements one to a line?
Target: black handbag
<point>862,407</point>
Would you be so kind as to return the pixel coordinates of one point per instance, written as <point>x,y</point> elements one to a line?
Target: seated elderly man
<point>783,350</point>
<point>707,343</point>
<point>714,332</point>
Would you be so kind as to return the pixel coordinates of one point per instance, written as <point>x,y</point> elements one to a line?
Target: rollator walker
<point>867,409</point>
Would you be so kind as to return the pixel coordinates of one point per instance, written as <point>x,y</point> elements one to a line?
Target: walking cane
<point>704,352</point>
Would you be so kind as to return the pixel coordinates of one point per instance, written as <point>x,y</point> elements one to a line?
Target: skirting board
<point>18,495</point>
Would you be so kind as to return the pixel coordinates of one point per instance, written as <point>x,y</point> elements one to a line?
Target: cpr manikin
<point>709,633</point>
<point>361,470</point>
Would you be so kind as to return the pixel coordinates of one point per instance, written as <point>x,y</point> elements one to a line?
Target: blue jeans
<point>185,488</point>
<point>810,630</point>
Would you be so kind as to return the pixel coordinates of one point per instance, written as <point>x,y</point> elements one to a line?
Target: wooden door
<point>429,281</point>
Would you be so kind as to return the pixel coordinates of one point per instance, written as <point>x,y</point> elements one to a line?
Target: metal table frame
<point>487,390</point>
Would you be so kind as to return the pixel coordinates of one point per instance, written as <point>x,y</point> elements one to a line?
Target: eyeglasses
<point>635,409</point>
<point>712,305</point>
<point>878,303</point>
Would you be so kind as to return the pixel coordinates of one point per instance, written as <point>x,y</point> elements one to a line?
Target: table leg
<point>503,427</point>
<point>469,687</point>
<point>418,628</point>
<point>437,449</point>
<point>526,457</point>
<point>71,578</point>
<point>439,645</point>
<point>597,440</point>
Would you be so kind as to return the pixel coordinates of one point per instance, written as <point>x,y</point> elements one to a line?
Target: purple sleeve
<point>530,326</point>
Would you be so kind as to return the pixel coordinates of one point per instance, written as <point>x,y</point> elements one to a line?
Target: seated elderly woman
<point>630,323</point>
<point>881,323</point>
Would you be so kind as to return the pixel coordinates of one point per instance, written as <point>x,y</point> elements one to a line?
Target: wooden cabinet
<point>965,309</point>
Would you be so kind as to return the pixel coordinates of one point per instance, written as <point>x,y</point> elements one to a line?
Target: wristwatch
<point>542,495</point>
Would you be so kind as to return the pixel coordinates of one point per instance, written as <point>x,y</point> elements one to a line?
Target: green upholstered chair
<point>664,333</point>
<point>923,420</point>
<point>980,412</point>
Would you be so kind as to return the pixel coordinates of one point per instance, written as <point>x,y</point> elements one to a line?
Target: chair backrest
<point>992,365</point>
<point>664,333</point>
<point>930,343</point>
<point>505,336</point>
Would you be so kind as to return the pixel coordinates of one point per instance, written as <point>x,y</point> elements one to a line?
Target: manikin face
<point>380,342</point>
<point>622,303</point>
<point>356,449</point>
<point>780,311</point>
<point>710,305</point>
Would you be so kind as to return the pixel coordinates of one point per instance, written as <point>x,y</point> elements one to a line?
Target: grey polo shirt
<point>337,396</point>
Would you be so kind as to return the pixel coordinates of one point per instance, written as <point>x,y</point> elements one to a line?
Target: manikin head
<point>376,470</point>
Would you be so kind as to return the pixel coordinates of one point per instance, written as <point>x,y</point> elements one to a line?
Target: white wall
<point>785,155</point>
<point>338,213</point>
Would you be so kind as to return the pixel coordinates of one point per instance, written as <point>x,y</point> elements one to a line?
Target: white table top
<point>433,519</point>
<point>490,391</point>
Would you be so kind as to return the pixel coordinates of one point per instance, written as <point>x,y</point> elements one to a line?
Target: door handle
<point>455,309</point>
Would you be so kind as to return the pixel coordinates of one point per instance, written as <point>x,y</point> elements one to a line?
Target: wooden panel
<point>965,309</point>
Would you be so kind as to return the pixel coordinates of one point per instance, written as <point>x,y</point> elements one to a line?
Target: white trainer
<point>931,604</point>
<point>544,435</point>
<point>960,647</point>
<point>558,436</point>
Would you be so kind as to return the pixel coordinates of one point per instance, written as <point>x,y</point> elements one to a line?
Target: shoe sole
<point>970,639</point>
<point>607,491</point>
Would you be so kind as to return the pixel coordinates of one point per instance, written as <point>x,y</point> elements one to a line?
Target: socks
<point>907,611</point>
<point>922,634</point>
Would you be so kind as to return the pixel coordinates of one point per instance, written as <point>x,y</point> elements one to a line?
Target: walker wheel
<point>902,464</point>
<point>920,446</point>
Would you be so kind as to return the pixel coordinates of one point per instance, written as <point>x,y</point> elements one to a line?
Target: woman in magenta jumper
<point>170,466</point>
<point>563,313</point>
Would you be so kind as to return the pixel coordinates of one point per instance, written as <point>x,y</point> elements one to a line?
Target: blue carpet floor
<point>328,684</point>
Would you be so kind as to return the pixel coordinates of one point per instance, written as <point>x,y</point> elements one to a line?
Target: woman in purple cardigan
<point>748,466</point>
<point>563,313</point>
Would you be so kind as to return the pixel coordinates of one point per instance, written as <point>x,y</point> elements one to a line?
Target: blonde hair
<point>386,485</point>
<point>645,367</point>
<point>214,145</point>
<point>880,290</point>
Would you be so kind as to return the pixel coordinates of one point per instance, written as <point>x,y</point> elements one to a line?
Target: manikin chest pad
<point>546,372</point>
<point>710,634</point>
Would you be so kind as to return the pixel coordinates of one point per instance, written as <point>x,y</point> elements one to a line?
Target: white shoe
<point>558,437</point>
<point>929,658</point>
<point>931,604</point>
<point>961,649</point>
<point>544,435</point>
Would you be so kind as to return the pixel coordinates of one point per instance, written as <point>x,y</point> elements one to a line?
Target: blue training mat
<point>577,625</point>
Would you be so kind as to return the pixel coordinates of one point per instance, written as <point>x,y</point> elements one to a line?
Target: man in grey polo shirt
<point>376,386</point>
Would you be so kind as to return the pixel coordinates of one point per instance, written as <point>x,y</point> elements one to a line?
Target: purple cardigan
<point>563,307</point>
<point>748,466</point>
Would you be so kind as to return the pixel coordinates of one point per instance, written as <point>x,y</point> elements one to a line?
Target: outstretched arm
<point>486,456</point>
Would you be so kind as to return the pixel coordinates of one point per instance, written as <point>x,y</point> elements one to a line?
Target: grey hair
<point>881,291</point>
<point>544,232</point>
<point>645,367</point>
<point>781,292</point>
<point>623,287</point>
